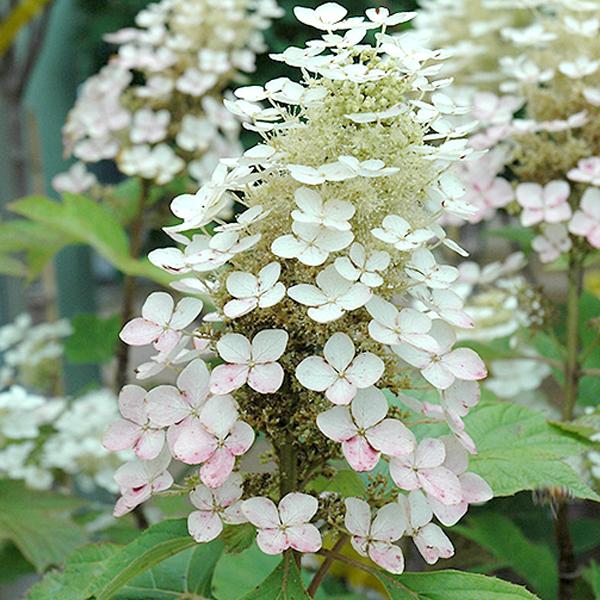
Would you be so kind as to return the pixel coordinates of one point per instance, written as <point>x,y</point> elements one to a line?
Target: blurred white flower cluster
<point>327,292</point>
<point>537,101</point>
<point>46,439</point>
<point>156,108</point>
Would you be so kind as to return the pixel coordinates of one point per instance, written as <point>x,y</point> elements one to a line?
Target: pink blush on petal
<point>359,454</point>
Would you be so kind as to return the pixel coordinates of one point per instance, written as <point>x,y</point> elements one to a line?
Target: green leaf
<point>345,482</point>
<point>186,575</point>
<point>84,221</point>
<point>12,267</point>
<point>517,449</point>
<point>156,544</point>
<point>284,583</point>
<point>12,564</point>
<point>521,235</point>
<point>94,339</point>
<point>592,576</point>
<point>534,563</point>
<point>237,574</point>
<point>450,585</point>
<point>75,581</point>
<point>38,524</point>
<point>238,538</point>
<point>585,426</point>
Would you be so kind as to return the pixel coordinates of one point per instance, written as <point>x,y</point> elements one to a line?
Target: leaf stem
<point>567,564</point>
<point>326,565</point>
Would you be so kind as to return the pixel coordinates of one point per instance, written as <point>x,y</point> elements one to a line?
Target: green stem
<point>326,565</point>
<point>567,564</point>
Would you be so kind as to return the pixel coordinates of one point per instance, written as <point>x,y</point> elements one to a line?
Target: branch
<point>36,42</point>
<point>326,565</point>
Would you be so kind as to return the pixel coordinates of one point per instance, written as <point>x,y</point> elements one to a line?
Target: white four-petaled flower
<point>364,431</point>
<point>284,526</point>
<point>340,374</point>
<point>252,363</point>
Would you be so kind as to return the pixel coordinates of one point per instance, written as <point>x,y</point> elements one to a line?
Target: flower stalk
<point>567,564</point>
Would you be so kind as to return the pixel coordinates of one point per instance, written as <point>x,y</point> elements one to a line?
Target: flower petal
<point>315,374</point>
<point>304,538</point>
<point>266,378</point>
<point>227,378</point>
<point>261,512</point>
<point>387,556</point>
<point>204,526</point>
<point>272,541</point>
<point>389,523</point>
<point>391,437</point>
<point>296,508</point>
<point>140,332</point>
<point>336,423</point>
<point>358,517</point>
<point>215,471</point>
<point>361,456</point>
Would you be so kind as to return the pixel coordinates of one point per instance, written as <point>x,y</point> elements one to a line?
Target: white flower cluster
<point>42,439</point>
<point>549,63</point>
<point>156,108</point>
<point>25,347</point>
<point>45,438</point>
<point>327,291</point>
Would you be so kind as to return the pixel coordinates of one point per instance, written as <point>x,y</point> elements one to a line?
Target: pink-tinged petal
<point>268,345</point>
<point>120,435</point>
<point>465,363</point>
<point>296,508</point>
<point>475,489</point>
<point>361,456</point>
<point>202,498</point>
<point>391,437</point>
<point>261,512</point>
<point>387,556</point>
<point>369,407</point>
<point>339,351</point>
<point>240,439</point>
<point>403,476</point>
<point>559,213</point>
<point>194,382</point>
<point>336,423</point>
<point>315,374</point>
<point>215,471</point>
<point>132,403</point>
<point>389,523</point>
<point>149,444</point>
<point>272,541</point>
<point>448,515</point>
<point>342,392</point>
<point>531,217</point>
<point>433,543</point>
<point>438,375</point>
<point>140,332</point>
<point>166,406</point>
<point>233,514</point>
<point>162,482</point>
<point>360,544</point>
<point>358,517</point>
<point>266,378</point>
<point>461,396</point>
<point>158,308</point>
<point>430,453</point>
<point>167,341</point>
<point>304,538</point>
<point>219,415</point>
<point>442,484</point>
<point>194,444</point>
<point>132,475</point>
<point>204,526</point>
<point>227,378</point>
<point>230,492</point>
<point>126,504</point>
